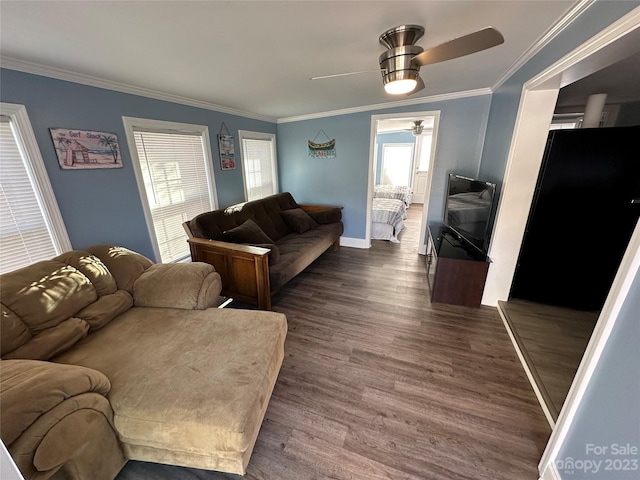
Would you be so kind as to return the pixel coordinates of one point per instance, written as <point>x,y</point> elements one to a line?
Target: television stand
<point>456,271</point>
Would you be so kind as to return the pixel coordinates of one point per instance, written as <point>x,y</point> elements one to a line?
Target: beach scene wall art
<point>85,149</point>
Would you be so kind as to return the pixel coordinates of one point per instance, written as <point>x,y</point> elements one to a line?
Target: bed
<point>469,211</point>
<point>393,191</point>
<point>387,218</point>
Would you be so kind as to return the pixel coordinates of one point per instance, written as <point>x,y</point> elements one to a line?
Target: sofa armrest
<point>189,286</point>
<point>56,418</point>
<point>44,385</point>
<point>317,208</point>
<point>244,269</point>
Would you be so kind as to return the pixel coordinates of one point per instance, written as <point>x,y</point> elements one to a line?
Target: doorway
<point>401,154</point>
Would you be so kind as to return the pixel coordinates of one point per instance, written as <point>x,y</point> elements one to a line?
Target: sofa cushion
<point>105,309</point>
<point>46,293</point>
<point>266,213</point>
<point>92,268</point>
<point>298,220</point>
<point>125,265</point>
<point>330,215</point>
<point>161,403</point>
<point>297,251</point>
<point>13,331</point>
<point>51,341</point>
<point>249,232</point>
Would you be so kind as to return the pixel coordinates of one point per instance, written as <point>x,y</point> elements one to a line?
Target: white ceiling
<point>619,81</point>
<point>258,56</point>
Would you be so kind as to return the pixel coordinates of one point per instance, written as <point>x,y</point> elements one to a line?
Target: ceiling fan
<point>400,63</point>
<point>417,128</point>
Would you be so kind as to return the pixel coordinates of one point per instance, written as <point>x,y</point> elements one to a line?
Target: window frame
<point>35,167</point>
<point>132,124</point>
<point>250,135</point>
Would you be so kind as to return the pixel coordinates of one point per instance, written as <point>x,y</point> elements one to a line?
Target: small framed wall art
<point>227,149</point>
<point>86,149</point>
<point>322,150</point>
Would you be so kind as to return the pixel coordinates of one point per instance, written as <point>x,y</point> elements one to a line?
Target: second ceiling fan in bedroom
<point>400,63</point>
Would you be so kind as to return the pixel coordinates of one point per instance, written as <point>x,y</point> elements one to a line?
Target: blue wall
<point>393,137</point>
<point>608,415</point>
<point>104,206</point>
<point>344,180</point>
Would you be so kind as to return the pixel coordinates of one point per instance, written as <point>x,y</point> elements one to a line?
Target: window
<point>31,227</point>
<point>173,167</point>
<point>259,164</point>
<point>562,121</point>
<point>397,161</point>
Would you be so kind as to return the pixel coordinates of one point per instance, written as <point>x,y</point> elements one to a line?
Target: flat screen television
<point>468,208</point>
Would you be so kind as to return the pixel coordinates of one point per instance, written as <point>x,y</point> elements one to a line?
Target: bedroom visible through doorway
<point>402,153</point>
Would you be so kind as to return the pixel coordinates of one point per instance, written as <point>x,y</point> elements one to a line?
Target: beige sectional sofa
<point>108,357</point>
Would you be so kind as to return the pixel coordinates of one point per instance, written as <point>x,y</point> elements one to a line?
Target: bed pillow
<point>298,220</point>
<point>330,215</point>
<point>248,232</point>
<point>485,195</point>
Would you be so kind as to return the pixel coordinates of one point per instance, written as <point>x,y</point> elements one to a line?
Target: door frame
<point>422,245</point>
<point>416,161</point>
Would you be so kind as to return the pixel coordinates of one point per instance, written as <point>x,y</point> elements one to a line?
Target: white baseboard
<point>527,371</point>
<point>551,473</point>
<point>354,242</point>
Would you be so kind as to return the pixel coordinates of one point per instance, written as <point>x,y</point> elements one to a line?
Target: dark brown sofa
<point>253,267</point>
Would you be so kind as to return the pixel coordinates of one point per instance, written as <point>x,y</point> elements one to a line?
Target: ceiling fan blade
<point>461,46</point>
<point>343,74</point>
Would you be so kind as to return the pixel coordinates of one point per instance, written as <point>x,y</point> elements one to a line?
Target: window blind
<point>25,235</point>
<point>258,167</point>
<point>176,186</point>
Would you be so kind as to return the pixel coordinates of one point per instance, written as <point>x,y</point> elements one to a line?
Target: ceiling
<point>619,81</point>
<point>258,56</point>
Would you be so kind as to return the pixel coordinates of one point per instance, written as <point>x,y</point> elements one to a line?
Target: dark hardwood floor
<point>378,383</point>
<point>552,340</point>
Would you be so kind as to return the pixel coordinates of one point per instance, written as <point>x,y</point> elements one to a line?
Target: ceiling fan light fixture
<point>399,73</point>
<point>398,87</point>
<point>400,81</point>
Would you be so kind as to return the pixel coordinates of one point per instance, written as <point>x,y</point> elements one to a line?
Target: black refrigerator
<point>585,207</point>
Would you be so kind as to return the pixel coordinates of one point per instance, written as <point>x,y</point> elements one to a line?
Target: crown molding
<point>623,26</point>
<point>570,15</point>
<point>382,106</point>
<point>69,76</point>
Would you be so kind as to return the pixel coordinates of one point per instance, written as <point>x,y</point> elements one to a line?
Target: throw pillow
<point>248,232</point>
<point>298,220</point>
<point>330,215</point>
